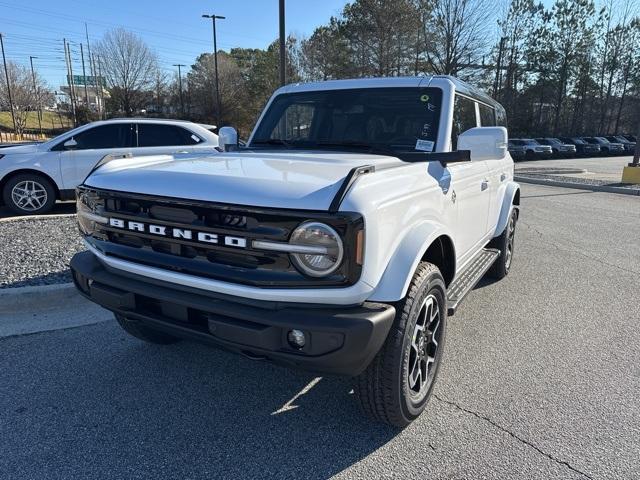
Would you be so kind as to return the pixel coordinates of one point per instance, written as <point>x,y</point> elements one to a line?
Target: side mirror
<point>70,144</point>
<point>484,143</point>
<point>227,138</point>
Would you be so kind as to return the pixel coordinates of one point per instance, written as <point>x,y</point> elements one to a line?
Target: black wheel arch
<point>441,253</point>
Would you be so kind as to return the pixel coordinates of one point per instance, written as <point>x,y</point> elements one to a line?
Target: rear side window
<point>487,115</point>
<point>156,135</point>
<point>117,135</point>
<point>464,118</point>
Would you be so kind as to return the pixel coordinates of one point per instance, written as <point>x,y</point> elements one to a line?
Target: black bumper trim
<point>341,340</point>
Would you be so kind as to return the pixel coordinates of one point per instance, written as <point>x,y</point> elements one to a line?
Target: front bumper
<point>340,340</point>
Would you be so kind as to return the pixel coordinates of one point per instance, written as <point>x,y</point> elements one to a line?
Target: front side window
<point>394,119</point>
<point>158,135</point>
<point>464,118</point>
<point>487,115</point>
<point>117,135</point>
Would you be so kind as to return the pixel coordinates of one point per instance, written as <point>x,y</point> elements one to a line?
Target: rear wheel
<point>397,385</point>
<point>29,194</point>
<point>142,332</point>
<point>505,243</point>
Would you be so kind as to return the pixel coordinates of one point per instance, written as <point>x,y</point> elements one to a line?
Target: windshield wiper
<point>272,141</point>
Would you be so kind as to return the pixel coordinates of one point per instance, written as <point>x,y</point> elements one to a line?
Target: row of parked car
<point>568,147</point>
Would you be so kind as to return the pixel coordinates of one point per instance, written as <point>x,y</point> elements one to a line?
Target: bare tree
<point>25,98</point>
<point>129,66</point>
<point>455,34</point>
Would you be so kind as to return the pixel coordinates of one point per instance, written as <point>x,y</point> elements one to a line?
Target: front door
<point>471,188</point>
<point>91,146</point>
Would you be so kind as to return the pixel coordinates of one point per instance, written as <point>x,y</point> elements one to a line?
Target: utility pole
<point>84,74</point>
<point>67,59</point>
<point>100,80</point>
<point>97,84</point>
<point>6,75</point>
<point>36,93</point>
<point>283,58</point>
<point>213,18</point>
<point>497,83</point>
<point>179,65</point>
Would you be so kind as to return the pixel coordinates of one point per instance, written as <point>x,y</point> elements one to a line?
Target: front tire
<point>29,194</point>
<point>142,332</point>
<point>505,243</point>
<point>396,387</point>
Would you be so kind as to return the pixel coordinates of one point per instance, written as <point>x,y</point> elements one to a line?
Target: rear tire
<point>29,194</point>
<point>142,332</point>
<point>396,387</point>
<point>505,243</point>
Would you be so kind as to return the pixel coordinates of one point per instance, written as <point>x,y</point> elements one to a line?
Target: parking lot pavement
<point>600,168</point>
<point>540,380</point>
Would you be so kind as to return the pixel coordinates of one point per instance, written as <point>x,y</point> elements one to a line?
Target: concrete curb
<point>37,217</point>
<point>37,297</point>
<point>577,186</point>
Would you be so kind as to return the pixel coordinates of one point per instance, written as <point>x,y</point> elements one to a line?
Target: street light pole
<point>180,65</point>
<point>636,153</point>
<point>35,92</point>
<point>6,75</point>
<point>283,58</point>
<point>213,18</point>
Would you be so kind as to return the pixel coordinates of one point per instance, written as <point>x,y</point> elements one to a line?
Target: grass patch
<point>49,120</point>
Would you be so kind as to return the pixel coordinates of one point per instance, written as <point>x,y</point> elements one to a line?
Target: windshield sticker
<point>424,98</point>
<point>431,107</point>
<point>424,145</point>
<point>426,129</point>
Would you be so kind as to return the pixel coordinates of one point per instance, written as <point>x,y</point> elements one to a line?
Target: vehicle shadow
<point>52,278</point>
<point>58,209</point>
<point>126,409</point>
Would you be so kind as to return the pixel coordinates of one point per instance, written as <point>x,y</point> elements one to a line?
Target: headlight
<point>89,208</point>
<point>327,243</point>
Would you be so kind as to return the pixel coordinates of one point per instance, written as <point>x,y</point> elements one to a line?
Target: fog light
<point>296,338</point>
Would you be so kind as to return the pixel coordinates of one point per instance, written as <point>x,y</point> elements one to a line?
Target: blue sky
<point>175,30</point>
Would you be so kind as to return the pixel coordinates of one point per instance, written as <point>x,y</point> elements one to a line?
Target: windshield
<point>373,119</point>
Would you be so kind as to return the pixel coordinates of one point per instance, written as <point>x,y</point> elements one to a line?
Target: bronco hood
<point>294,180</point>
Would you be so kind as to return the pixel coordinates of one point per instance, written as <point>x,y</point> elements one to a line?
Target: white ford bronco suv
<point>340,239</point>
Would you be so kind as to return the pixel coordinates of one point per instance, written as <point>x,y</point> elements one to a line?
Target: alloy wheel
<point>424,347</point>
<point>511,233</point>
<point>29,195</point>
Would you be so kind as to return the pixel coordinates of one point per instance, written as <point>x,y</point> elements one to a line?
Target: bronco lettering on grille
<point>179,233</point>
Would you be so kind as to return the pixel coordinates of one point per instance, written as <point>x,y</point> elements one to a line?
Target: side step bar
<point>469,277</point>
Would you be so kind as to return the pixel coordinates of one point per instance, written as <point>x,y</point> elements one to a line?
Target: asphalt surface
<point>540,380</point>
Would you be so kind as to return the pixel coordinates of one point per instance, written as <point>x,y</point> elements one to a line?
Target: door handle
<point>484,185</point>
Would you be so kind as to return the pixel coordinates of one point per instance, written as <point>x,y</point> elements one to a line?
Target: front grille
<point>232,258</point>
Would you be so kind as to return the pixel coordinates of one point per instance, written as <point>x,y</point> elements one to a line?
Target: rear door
<point>92,145</point>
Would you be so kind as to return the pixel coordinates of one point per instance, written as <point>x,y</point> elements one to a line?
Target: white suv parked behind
<point>33,177</point>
